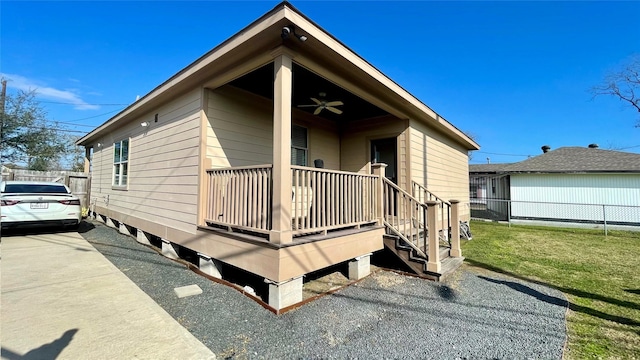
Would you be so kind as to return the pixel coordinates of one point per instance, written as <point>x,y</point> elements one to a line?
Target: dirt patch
<point>387,279</point>
<point>321,285</point>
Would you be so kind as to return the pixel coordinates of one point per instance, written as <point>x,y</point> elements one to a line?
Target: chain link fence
<point>599,216</point>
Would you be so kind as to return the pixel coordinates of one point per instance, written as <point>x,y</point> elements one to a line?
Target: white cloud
<point>66,96</point>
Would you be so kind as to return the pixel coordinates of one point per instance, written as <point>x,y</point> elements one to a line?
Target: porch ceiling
<point>306,85</point>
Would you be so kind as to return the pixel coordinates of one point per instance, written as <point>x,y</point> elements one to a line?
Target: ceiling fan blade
<point>334,103</point>
<point>318,110</point>
<point>307,105</point>
<point>318,102</point>
<point>334,110</point>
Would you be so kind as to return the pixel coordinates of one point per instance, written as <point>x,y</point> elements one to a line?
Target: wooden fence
<point>78,182</point>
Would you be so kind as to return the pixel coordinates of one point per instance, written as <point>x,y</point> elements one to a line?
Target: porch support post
<point>379,170</point>
<point>285,293</point>
<point>209,266</point>
<point>110,223</point>
<point>168,250</point>
<point>360,267</point>
<point>124,229</point>
<point>455,228</point>
<point>433,264</point>
<point>282,198</point>
<point>142,238</point>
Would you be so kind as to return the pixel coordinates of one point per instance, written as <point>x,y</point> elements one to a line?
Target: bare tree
<point>623,84</point>
<point>27,138</point>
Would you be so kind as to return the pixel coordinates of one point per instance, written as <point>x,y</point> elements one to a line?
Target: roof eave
<point>281,11</point>
<point>226,46</point>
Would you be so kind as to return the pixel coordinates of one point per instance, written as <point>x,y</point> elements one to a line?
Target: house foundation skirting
<point>264,259</point>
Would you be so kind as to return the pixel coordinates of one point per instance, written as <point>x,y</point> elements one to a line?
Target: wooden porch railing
<point>444,209</point>
<point>325,200</point>
<point>240,197</point>
<point>322,200</point>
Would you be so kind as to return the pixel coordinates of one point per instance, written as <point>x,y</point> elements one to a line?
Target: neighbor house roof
<point>251,48</point>
<point>487,168</point>
<point>578,160</point>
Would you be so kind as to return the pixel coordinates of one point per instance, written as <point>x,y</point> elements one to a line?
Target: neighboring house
<point>263,154</point>
<point>488,191</point>
<point>570,177</point>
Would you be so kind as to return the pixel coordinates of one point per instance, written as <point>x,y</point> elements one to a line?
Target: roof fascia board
<point>308,26</point>
<point>233,42</point>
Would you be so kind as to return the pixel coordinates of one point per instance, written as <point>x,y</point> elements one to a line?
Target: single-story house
<point>282,152</point>
<point>570,184</point>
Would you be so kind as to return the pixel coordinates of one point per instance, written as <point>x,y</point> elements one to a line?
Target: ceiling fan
<point>324,104</point>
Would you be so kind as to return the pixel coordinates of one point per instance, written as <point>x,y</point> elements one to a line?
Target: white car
<point>33,203</point>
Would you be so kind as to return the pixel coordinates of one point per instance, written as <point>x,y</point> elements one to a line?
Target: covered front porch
<point>257,184</point>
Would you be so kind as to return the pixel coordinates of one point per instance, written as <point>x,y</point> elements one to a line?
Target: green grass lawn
<point>599,275</point>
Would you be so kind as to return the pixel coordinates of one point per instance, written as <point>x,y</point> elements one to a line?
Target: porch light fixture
<point>144,124</point>
<point>288,30</point>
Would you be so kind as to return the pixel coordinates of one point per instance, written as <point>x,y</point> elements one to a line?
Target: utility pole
<point>3,97</point>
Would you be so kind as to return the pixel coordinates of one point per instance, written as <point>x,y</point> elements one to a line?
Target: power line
<point>501,154</point>
<point>95,116</point>
<point>67,123</point>
<point>56,129</point>
<point>490,153</point>
<point>630,147</point>
<point>78,104</point>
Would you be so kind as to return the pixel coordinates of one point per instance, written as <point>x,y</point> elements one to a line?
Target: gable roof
<point>251,48</point>
<point>578,160</point>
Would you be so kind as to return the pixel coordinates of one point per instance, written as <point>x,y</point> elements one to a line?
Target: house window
<point>298,145</point>
<point>120,162</point>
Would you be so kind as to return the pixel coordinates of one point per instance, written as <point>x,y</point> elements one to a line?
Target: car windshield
<point>34,189</point>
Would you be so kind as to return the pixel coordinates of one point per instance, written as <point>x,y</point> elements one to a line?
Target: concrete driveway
<point>63,299</point>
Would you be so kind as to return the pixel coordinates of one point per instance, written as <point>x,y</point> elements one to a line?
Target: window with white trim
<point>120,162</point>
<point>298,145</point>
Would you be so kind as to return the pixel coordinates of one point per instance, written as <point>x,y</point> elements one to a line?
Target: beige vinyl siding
<point>440,164</point>
<point>163,166</point>
<point>240,131</point>
<point>324,139</point>
<point>356,142</point>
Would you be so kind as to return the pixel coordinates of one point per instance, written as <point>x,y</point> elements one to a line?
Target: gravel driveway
<point>474,315</point>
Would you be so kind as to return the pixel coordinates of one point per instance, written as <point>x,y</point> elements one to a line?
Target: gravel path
<point>475,315</point>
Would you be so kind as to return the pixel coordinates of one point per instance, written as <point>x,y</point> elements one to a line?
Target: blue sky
<point>516,75</point>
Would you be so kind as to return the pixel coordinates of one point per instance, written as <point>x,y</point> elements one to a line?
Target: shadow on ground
<point>575,292</point>
<point>83,227</point>
<point>47,351</point>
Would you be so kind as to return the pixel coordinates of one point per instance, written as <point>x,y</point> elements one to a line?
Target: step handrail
<point>443,203</point>
<point>415,225</point>
<point>425,190</point>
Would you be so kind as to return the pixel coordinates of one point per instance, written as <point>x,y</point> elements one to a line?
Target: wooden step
<point>404,253</point>
<point>418,264</point>
<point>449,266</point>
